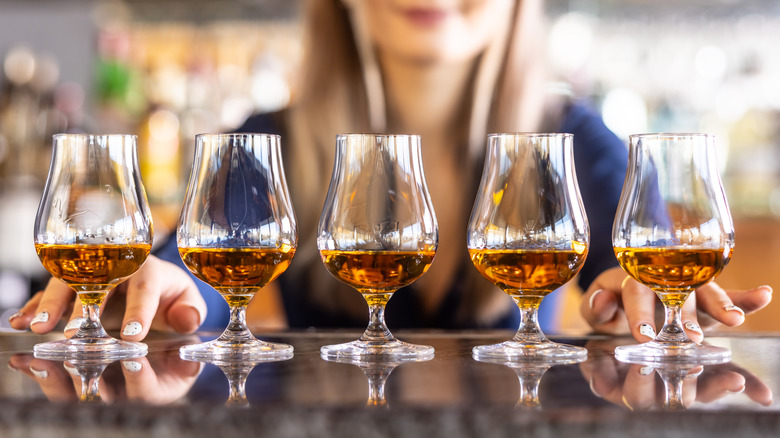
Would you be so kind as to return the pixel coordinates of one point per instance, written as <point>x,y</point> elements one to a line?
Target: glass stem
<point>377,331</point>
<point>237,380</point>
<point>673,331</point>
<point>236,330</point>
<point>529,331</point>
<point>91,327</point>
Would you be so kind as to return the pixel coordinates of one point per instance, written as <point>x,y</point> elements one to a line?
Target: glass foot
<point>666,352</point>
<point>89,348</point>
<point>520,351</point>
<point>217,350</point>
<point>394,349</point>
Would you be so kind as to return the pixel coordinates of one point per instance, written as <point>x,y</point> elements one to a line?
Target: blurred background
<point>169,69</point>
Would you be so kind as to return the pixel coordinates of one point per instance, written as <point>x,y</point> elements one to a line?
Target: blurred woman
<point>452,71</point>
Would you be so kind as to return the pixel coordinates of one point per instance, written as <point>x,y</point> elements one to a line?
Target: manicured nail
<point>132,328</point>
<point>73,324</point>
<point>71,369</point>
<point>41,317</point>
<point>14,316</point>
<point>646,330</point>
<point>693,327</point>
<point>733,308</point>
<point>201,317</point>
<point>646,370</point>
<point>593,297</point>
<point>738,390</point>
<point>42,374</point>
<point>131,365</point>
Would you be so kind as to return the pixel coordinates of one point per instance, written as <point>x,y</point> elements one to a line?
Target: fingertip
<point>694,331</point>
<point>604,306</point>
<point>184,318</point>
<point>732,315</point>
<point>133,329</point>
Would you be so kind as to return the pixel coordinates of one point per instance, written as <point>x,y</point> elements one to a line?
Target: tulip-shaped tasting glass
<point>92,231</point>
<point>237,232</point>
<point>378,231</point>
<point>673,233</point>
<point>528,233</point>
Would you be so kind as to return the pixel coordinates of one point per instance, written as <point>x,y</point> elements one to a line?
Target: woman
<point>451,71</point>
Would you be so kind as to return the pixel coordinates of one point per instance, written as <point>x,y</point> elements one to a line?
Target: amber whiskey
<point>237,271</point>
<point>673,269</point>
<point>528,272</point>
<point>377,271</point>
<point>92,270</point>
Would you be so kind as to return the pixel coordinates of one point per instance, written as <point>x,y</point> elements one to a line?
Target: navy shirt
<point>600,159</point>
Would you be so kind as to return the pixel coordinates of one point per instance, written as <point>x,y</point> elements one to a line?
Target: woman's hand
<point>615,303</point>
<point>160,378</point>
<point>636,387</point>
<point>159,296</point>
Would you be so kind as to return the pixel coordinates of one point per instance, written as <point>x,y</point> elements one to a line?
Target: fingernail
<point>693,327</point>
<point>646,330</point>
<point>42,374</point>
<point>646,370</point>
<point>73,324</point>
<point>14,316</point>
<point>733,308</point>
<point>71,369</point>
<point>40,317</point>
<point>592,297</point>
<point>201,317</point>
<point>132,328</point>
<point>738,390</point>
<point>131,365</point>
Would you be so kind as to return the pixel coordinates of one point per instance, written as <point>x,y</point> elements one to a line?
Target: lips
<point>425,17</point>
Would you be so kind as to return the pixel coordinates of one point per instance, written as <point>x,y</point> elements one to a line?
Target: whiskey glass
<point>673,233</point>
<point>528,233</point>
<point>237,232</point>
<point>377,232</point>
<point>93,230</point>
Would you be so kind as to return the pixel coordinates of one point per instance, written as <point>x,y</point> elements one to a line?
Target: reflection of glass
<point>673,233</point>
<point>528,233</point>
<point>92,231</point>
<point>529,374</point>
<point>237,232</point>
<point>89,371</point>
<point>377,232</point>
<point>377,369</point>
<point>237,369</point>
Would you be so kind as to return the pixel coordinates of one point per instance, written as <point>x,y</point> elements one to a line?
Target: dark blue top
<point>600,159</point>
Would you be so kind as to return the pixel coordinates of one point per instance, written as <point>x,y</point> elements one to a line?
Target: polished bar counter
<point>451,395</point>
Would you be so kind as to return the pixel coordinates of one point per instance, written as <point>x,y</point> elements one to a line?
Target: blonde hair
<point>341,91</point>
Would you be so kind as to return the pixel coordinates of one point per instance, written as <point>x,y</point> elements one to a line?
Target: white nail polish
<point>646,330</point>
<point>731,307</point>
<point>73,324</point>
<point>71,369</point>
<point>693,327</point>
<point>40,317</point>
<point>646,370</point>
<point>132,328</point>
<point>42,374</point>
<point>14,316</point>
<point>593,297</point>
<point>131,365</point>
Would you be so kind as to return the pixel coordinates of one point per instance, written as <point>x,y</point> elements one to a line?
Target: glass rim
<point>671,135</point>
<point>235,135</point>
<point>374,135</point>
<point>89,135</point>
<point>531,134</point>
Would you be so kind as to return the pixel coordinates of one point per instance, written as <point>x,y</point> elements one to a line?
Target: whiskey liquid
<point>672,269</point>
<point>92,270</point>
<point>377,271</point>
<point>528,272</point>
<point>237,271</point>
